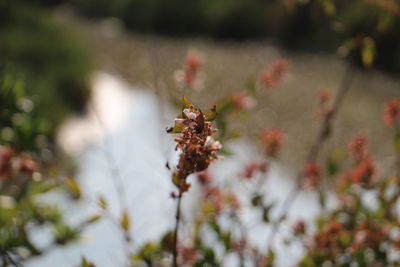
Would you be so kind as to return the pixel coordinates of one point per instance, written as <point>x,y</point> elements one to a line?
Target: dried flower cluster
<point>196,145</point>
<point>274,73</point>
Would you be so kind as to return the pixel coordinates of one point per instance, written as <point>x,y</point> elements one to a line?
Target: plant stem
<point>315,149</point>
<point>7,259</point>
<point>177,220</point>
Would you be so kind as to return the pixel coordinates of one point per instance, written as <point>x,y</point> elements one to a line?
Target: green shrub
<point>53,65</point>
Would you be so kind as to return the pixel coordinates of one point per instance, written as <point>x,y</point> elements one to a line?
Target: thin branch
<point>8,260</point>
<point>116,176</point>
<point>176,231</point>
<point>313,154</point>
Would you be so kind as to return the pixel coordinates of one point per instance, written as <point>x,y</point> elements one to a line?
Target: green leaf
<point>256,200</point>
<point>124,221</point>
<point>227,240</point>
<point>321,198</point>
<point>73,187</point>
<point>251,84</point>
<point>178,128</point>
<point>265,215</point>
<point>211,114</point>
<point>368,52</point>
<point>93,218</point>
<point>266,210</point>
<point>102,202</point>
<point>329,7</point>
<point>167,242</point>
<point>86,263</point>
<point>64,233</point>
<point>186,103</point>
<point>396,142</point>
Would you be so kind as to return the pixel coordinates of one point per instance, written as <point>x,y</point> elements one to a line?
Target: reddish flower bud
<point>392,111</point>
<point>364,172</point>
<point>324,110</point>
<point>6,154</point>
<point>192,62</point>
<point>272,139</point>
<point>188,256</point>
<point>312,173</point>
<point>299,228</point>
<point>358,147</point>
<point>252,168</point>
<point>204,177</point>
<point>324,95</point>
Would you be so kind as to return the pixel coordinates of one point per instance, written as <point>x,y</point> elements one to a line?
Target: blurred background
<point>85,83</point>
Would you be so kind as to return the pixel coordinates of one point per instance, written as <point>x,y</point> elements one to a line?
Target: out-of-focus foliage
<point>21,125</point>
<point>311,25</point>
<point>53,64</point>
<point>26,174</point>
<point>43,72</point>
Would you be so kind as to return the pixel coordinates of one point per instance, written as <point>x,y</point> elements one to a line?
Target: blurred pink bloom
<point>274,73</point>
<point>243,100</point>
<point>190,76</point>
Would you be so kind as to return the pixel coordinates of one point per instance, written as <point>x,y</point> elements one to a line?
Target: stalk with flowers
<point>198,149</point>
